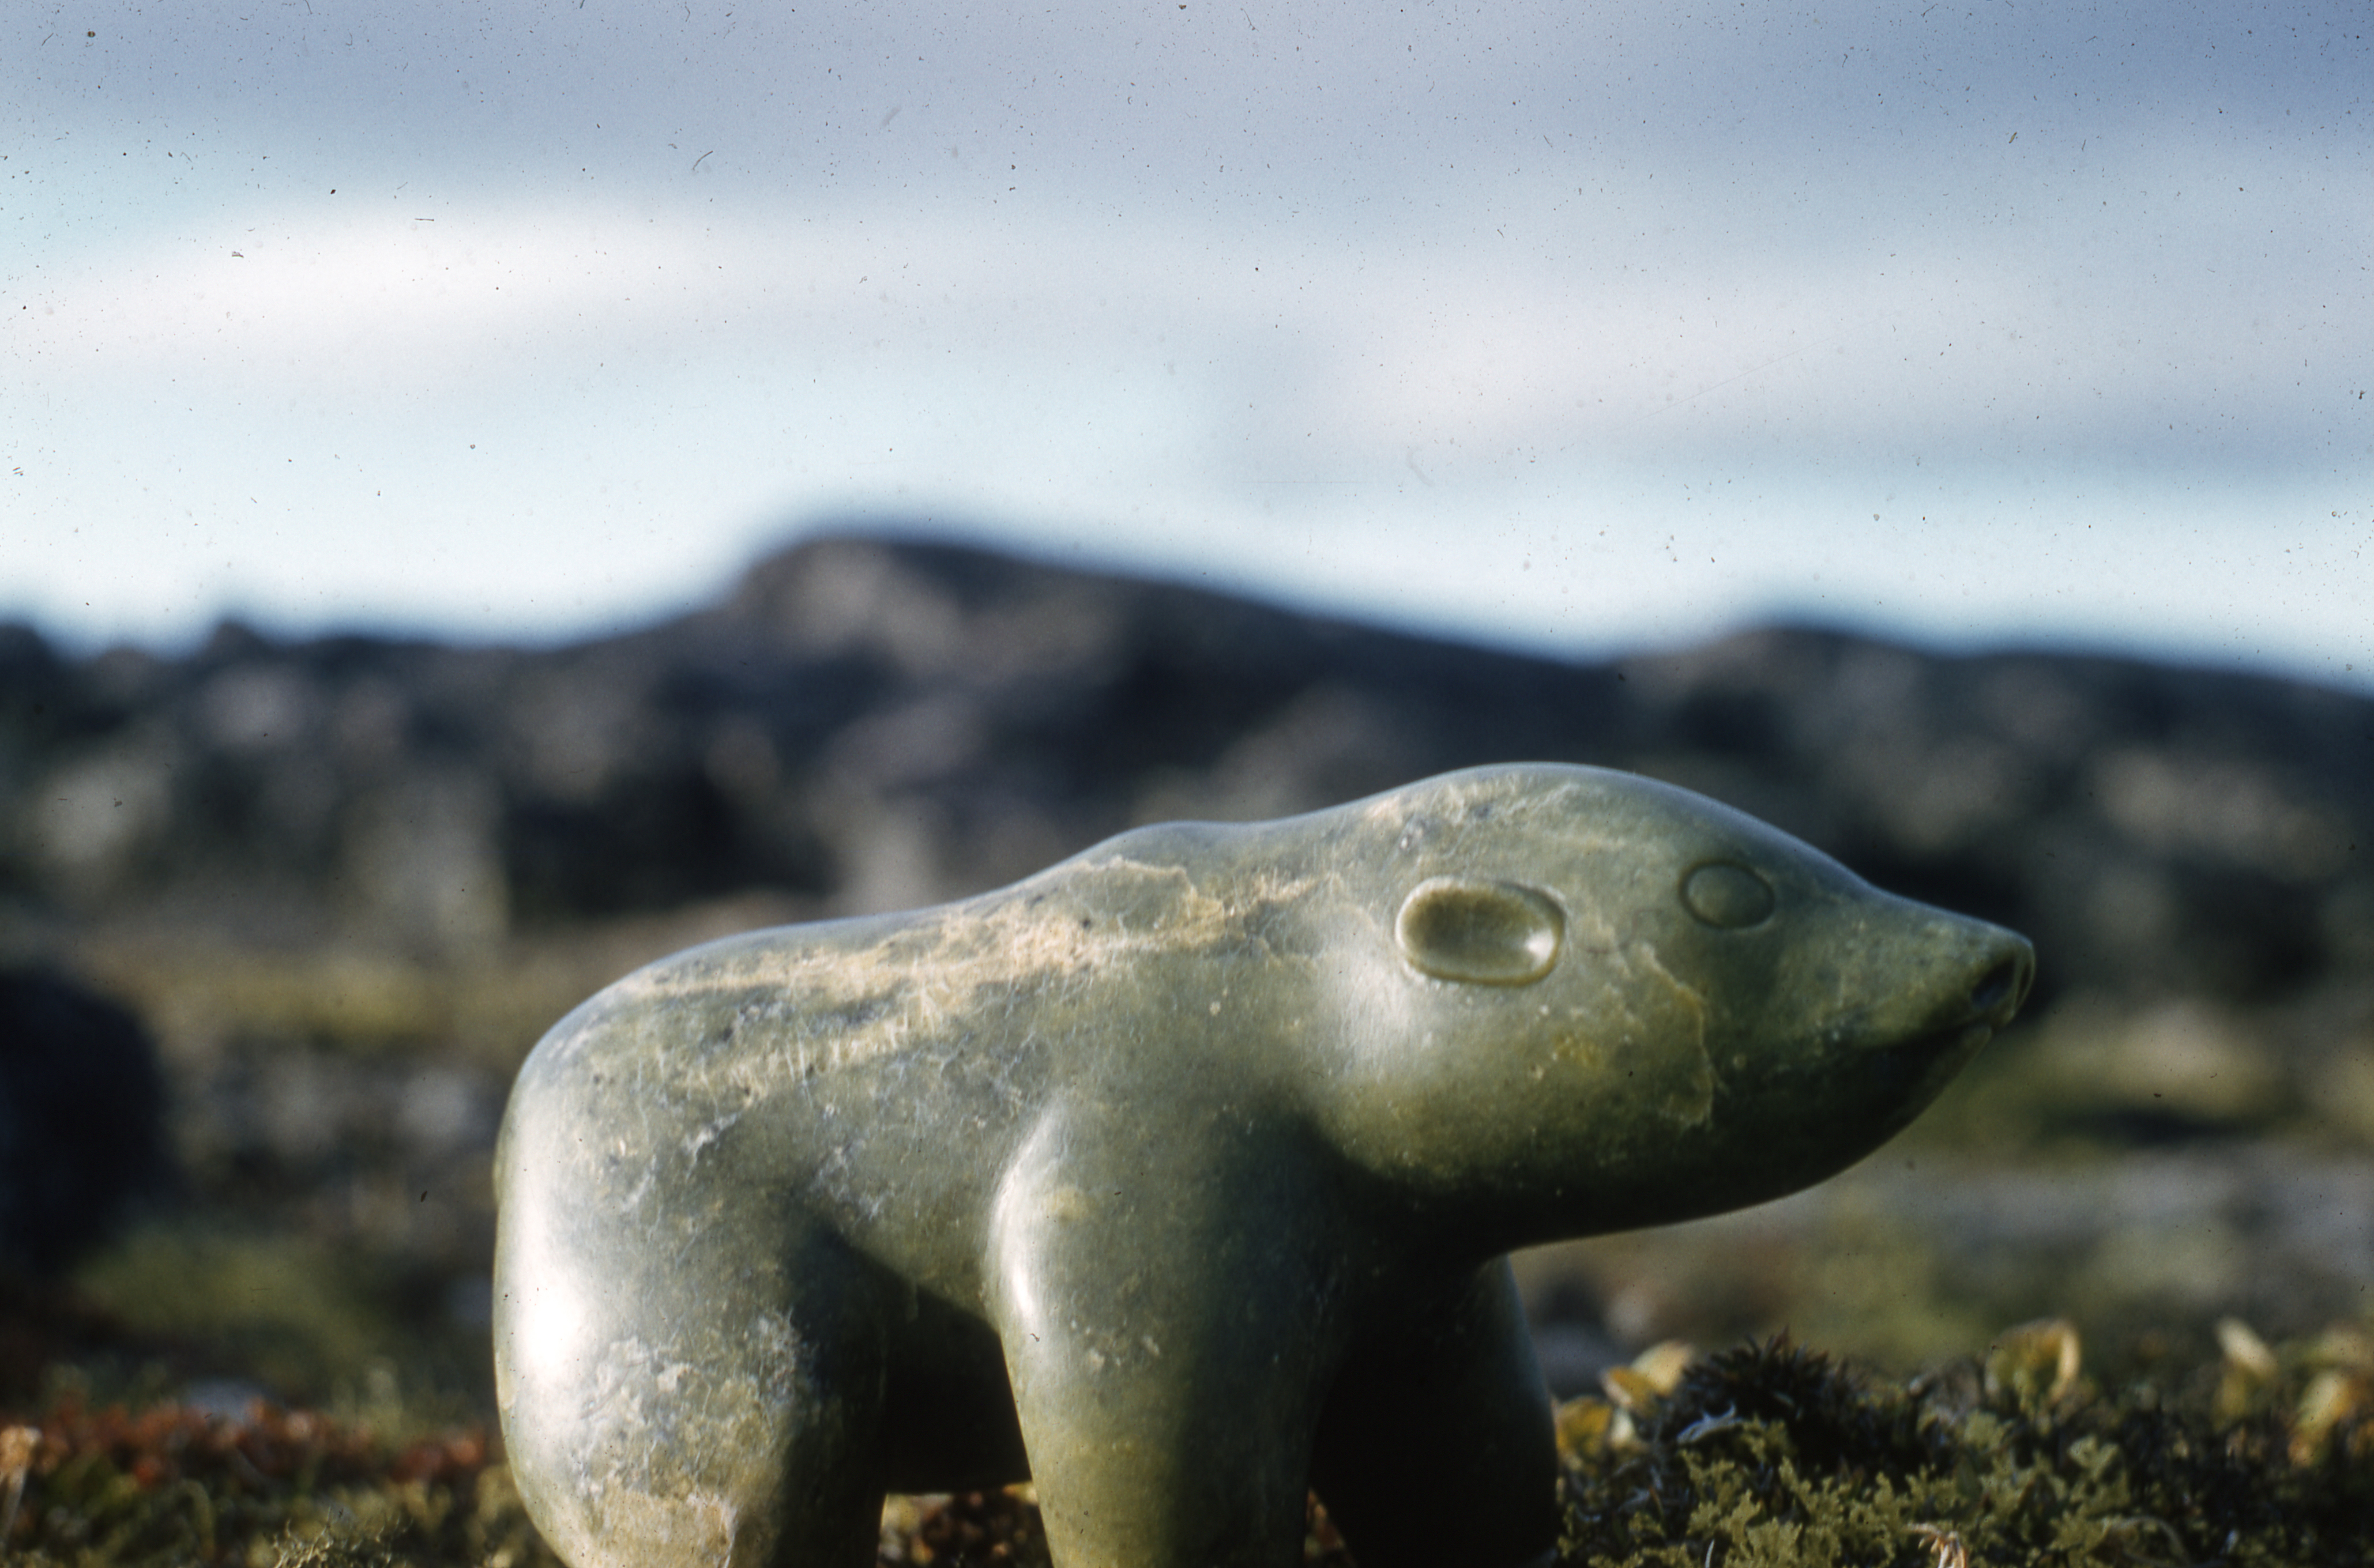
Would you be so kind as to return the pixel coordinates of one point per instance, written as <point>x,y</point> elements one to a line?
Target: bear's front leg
<point>1167,1324</point>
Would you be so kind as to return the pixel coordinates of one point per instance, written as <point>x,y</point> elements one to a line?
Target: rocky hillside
<point>865,724</point>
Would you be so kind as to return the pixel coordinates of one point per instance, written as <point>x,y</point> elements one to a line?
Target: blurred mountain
<point>866,724</point>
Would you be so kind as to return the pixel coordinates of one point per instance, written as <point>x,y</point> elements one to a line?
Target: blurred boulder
<point>82,1119</point>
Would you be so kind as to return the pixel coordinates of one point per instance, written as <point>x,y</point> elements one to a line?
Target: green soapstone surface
<point>1179,1177</point>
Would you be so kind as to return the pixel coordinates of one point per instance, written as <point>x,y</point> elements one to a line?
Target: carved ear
<point>1490,933</point>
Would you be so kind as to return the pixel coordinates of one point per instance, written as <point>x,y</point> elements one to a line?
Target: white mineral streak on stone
<point>1680,1030</point>
<point>675,1453</point>
<point>1527,799</point>
<point>645,1179</point>
<point>1454,810</point>
<point>912,983</point>
<point>709,1133</point>
<point>615,1413</point>
<point>1456,805</point>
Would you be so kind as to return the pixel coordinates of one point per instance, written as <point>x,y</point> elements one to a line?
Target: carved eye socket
<point>1491,933</point>
<point>1727,895</point>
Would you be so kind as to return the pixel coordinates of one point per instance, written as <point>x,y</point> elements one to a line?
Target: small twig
<point>1948,1544</point>
<point>18,1445</point>
<point>1707,1426</point>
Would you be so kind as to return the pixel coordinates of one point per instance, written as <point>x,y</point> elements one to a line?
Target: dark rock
<point>81,1118</point>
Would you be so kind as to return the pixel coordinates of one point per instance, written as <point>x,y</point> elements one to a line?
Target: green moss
<point>1771,1454</point>
<point>300,1317</point>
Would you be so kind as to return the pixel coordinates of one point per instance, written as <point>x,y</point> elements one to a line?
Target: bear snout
<point>2003,988</point>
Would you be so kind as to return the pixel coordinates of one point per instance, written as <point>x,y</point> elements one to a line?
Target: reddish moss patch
<point>175,1483</point>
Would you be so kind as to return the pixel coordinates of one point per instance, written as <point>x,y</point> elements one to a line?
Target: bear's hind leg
<point>700,1404</point>
<point>1440,1449</point>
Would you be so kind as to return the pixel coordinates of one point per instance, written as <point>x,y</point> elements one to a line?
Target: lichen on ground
<point>1766,1456</point>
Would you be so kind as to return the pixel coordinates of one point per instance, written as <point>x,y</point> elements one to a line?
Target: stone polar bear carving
<point>1179,1177</point>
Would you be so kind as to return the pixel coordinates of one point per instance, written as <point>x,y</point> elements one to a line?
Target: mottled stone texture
<point>1181,1176</point>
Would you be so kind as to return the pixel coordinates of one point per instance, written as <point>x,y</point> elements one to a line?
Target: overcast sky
<point>1567,327</point>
